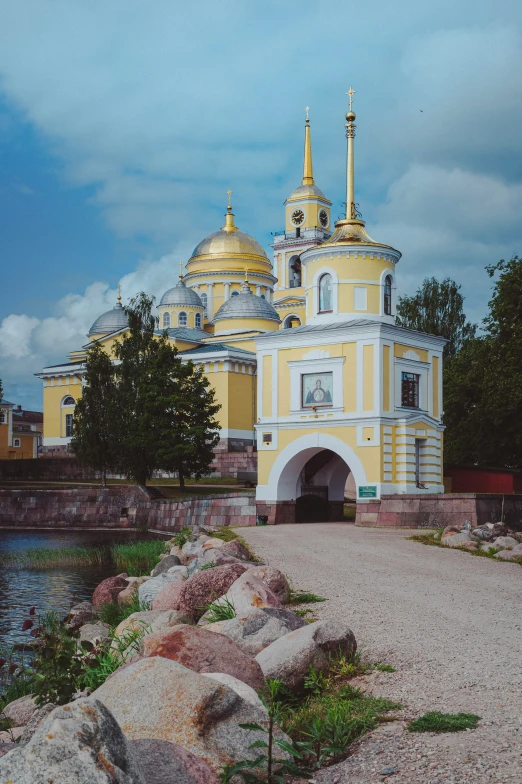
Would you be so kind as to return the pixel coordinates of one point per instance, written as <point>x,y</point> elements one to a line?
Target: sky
<point>124,123</point>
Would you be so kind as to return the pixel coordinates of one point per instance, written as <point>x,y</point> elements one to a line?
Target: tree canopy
<point>159,412</point>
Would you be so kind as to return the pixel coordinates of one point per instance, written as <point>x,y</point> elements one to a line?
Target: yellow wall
<point>368,378</point>
<point>267,386</point>
<point>400,350</point>
<point>386,378</point>
<point>244,325</point>
<point>235,392</point>
<point>54,414</point>
<point>4,439</point>
<point>311,210</point>
<point>435,387</point>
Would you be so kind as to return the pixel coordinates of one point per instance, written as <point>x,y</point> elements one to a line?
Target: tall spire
<point>229,217</point>
<point>351,210</point>
<point>118,301</point>
<point>308,175</point>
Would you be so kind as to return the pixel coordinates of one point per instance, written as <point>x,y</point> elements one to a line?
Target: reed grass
<point>137,558</point>
<point>53,558</point>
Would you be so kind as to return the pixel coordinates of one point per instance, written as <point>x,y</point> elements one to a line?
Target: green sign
<point>367,491</point>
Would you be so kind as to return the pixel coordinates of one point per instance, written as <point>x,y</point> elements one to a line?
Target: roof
<point>29,416</point>
<point>246,305</point>
<point>229,243</point>
<point>347,325</point>
<point>185,333</point>
<point>4,402</point>
<point>110,321</point>
<point>180,295</point>
<point>212,347</point>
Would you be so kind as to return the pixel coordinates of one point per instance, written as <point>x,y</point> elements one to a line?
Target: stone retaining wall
<point>229,463</point>
<point>120,507</point>
<point>438,510</point>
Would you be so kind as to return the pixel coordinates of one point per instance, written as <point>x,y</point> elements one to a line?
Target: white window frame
<point>197,321</point>
<point>16,442</point>
<point>422,369</point>
<point>166,318</point>
<point>301,367</point>
<point>180,314</point>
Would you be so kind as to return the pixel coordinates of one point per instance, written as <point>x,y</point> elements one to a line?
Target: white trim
<point>56,441</point>
<point>284,474</point>
<point>226,432</point>
<point>332,365</point>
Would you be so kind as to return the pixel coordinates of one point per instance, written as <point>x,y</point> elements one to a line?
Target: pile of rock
<point>173,709</point>
<point>485,537</point>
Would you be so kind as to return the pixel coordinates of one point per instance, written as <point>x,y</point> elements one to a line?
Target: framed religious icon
<point>316,389</point>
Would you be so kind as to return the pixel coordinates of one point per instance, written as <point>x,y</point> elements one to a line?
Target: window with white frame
<point>410,390</point>
<point>325,293</point>
<point>16,442</point>
<point>166,320</point>
<point>387,304</point>
<point>3,417</point>
<point>197,320</point>
<point>204,298</point>
<point>182,319</point>
<point>68,401</point>
<point>68,425</point>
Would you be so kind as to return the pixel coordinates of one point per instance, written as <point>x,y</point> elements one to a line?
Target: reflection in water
<point>55,589</point>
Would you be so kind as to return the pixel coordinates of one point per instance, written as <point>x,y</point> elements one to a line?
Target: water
<point>49,589</point>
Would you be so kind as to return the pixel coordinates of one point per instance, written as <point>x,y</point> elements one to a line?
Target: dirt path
<point>450,623</point>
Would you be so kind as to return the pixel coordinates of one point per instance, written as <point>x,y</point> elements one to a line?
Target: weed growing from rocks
<point>137,557</point>
<point>304,597</point>
<point>182,537</point>
<point>434,539</point>
<point>113,613</point>
<point>444,722</point>
<point>209,565</point>
<point>220,610</point>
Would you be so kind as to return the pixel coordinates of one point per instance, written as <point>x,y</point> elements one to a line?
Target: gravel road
<point>449,622</point>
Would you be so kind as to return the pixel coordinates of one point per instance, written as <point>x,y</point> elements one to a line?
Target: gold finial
<point>351,92</point>
<point>229,216</point>
<point>181,270</point>
<point>229,206</point>
<point>119,293</point>
<point>308,175</point>
<point>246,276</point>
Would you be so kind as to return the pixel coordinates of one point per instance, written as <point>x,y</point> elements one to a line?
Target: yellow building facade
<point>304,354</point>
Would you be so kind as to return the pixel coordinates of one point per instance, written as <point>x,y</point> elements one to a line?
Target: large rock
<point>80,614</point>
<point>217,557</point>
<point>169,596</point>
<point>248,593</point>
<point>34,722</point>
<point>165,564</point>
<point>79,743</point>
<point>159,698</point>
<point>243,689</point>
<point>259,628</point>
<point>20,711</point>
<point>162,762</point>
<point>178,552</point>
<point>144,623</point>
<point>203,651</point>
<point>275,580</point>
<point>504,542</point>
<point>133,583</point>
<point>457,540</point>
<point>149,590</point>
<point>109,589</point>
<point>510,555</point>
<point>94,632</point>
<point>237,549</point>
<point>6,747</point>
<point>289,658</point>
<point>204,587</point>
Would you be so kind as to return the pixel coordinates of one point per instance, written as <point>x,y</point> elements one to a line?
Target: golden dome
<point>307,192</point>
<point>352,232</point>
<point>229,241</point>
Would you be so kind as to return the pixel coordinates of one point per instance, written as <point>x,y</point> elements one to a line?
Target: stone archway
<point>313,461</point>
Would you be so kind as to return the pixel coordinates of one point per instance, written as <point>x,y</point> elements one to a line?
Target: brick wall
<point>229,463</point>
<point>233,509</point>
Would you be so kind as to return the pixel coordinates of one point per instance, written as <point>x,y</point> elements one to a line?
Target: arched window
<point>388,295</point>
<point>182,319</point>
<point>235,294</point>
<point>291,321</point>
<point>68,401</point>
<point>325,294</point>
<point>203,298</point>
<point>197,321</point>
<point>294,272</point>
<point>166,319</point>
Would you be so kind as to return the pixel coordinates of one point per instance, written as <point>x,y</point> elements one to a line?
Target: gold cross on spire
<point>351,92</point>
<point>307,109</point>
<point>119,293</point>
<point>181,270</point>
<point>229,194</point>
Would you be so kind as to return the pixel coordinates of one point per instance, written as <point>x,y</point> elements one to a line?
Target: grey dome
<point>181,295</point>
<point>246,305</point>
<point>110,322</point>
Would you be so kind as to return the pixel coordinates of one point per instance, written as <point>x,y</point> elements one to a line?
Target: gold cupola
<point>307,207</point>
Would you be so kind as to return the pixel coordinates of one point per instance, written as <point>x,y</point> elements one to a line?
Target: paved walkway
<point>449,622</point>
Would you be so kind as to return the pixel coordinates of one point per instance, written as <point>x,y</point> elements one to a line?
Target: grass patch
<point>444,722</point>
<point>113,613</point>
<point>137,558</point>
<point>49,558</point>
<point>384,667</point>
<point>433,539</point>
<point>220,610</point>
<point>304,597</point>
<point>333,713</point>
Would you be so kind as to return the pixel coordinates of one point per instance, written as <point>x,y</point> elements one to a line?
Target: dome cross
<point>351,92</point>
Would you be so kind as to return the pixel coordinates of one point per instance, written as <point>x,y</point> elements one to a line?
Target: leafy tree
<point>165,417</point>
<point>437,308</point>
<point>1,389</point>
<point>94,433</point>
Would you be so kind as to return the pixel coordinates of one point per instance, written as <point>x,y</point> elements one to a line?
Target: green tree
<point>165,418</point>
<point>1,389</point>
<point>438,309</point>
<point>94,433</point>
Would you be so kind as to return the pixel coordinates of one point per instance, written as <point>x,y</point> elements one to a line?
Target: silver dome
<point>110,322</point>
<point>247,305</point>
<point>181,295</point>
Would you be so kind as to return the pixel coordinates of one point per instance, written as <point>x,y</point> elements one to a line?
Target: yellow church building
<point>304,354</point>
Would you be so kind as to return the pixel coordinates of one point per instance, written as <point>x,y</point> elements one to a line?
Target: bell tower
<point>307,224</point>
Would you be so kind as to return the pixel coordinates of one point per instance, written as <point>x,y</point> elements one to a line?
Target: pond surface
<point>47,589</point>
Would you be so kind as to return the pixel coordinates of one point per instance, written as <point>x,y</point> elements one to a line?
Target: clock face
<point>298,217</point>
<point>323,218</point>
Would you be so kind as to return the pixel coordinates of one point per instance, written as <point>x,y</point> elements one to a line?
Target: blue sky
<point>123,123</point>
